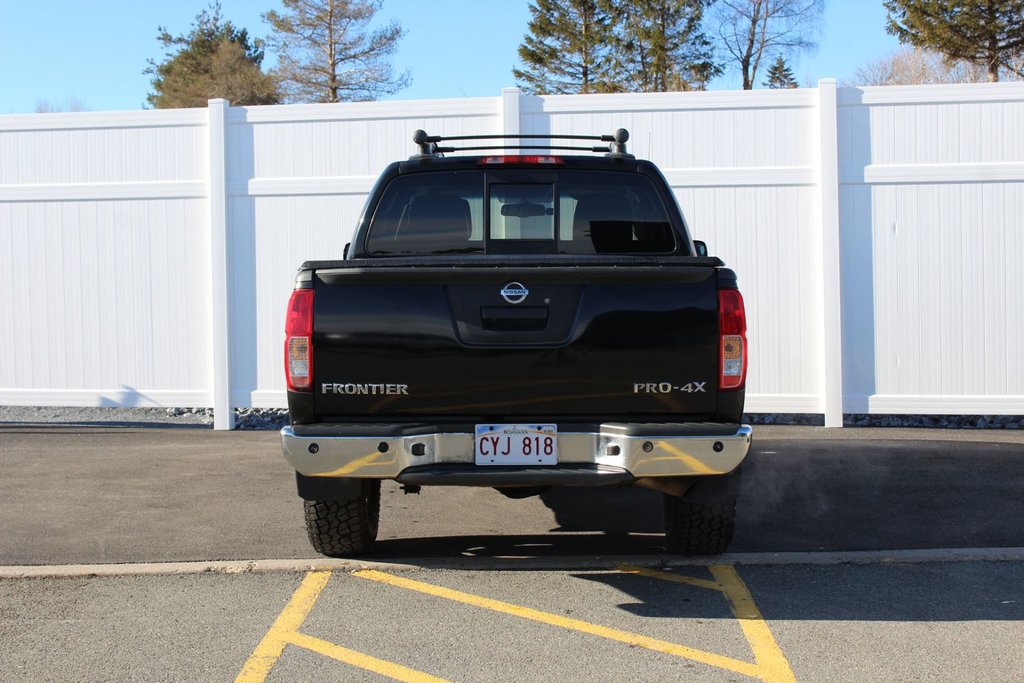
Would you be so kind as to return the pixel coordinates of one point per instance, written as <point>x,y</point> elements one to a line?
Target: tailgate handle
<point>514,318</point>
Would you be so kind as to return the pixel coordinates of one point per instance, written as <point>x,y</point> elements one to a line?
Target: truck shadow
<point>797,496</point>
<point>937,592</point>
<point>576,522</point>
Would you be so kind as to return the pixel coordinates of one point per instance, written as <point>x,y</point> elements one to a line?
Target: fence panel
<point>108,224</point>
<point>103,259</point>
<point>932,195</point>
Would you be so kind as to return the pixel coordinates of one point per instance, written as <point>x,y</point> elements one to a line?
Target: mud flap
<point>328,488</point>
<point>716,489</point>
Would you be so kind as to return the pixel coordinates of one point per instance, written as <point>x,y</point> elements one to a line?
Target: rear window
<point>465,212</point>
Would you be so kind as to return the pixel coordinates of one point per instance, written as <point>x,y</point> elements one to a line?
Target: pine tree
<point>214,59</point>
<point>780,75</point>
<point>660,46</point>
<point>325,53</point>
<point>985,32</point>
<point>567,48</point>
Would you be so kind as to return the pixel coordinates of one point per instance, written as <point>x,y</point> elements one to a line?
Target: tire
<point>344,528</point>
<point>699,528</point>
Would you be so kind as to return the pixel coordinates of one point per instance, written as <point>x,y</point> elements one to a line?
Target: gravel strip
<point>261,418</point>
<point>106,417</point>
<point>915,421</point>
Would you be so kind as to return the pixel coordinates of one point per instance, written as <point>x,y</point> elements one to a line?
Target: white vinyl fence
<point>146,257</point>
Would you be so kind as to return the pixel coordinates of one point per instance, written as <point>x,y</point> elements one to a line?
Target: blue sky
<point>96,50</point>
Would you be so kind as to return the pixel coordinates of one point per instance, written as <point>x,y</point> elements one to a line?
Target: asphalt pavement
<point>888,622</point>
<point>82,495</point>
<point>471,586</point>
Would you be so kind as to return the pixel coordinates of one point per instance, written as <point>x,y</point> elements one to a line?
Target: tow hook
<point>410,488</point>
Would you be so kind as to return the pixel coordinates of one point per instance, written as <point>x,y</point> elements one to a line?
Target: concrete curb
<point>929,555</point>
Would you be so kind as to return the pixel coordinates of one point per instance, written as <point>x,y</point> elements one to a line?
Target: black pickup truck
<point>517,322</point>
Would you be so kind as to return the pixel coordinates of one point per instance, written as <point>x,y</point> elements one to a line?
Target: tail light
<point>732,331</point>
<point>298,344</point>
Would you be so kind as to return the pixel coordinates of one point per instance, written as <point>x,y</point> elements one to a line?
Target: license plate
<point>516,444</point>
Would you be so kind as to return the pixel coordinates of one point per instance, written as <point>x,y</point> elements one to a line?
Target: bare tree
<point>750,32</point>
<point>71,103</point>
<point>325,53</point>
<point>914,66</point>
<point>1015,65</point>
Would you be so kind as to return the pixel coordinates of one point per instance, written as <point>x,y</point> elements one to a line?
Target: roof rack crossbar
<point>428,144</point>
<point>595,148</point>
<point>446,138</point>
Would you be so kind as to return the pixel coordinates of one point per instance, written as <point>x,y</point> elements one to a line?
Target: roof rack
<point>428,144</point>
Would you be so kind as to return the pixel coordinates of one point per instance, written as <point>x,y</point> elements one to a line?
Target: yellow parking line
<point>266,654</point>
<point>634,639</point>
<point>285,631</point>
<point>675,578</point>
<point>772,665</point>
<point>767,653</point>
<point>343,654</point>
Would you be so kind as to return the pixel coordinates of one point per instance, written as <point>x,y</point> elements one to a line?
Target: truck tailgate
<point>506,340</point>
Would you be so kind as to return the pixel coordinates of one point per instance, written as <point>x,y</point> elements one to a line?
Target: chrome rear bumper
<point>613,450</point>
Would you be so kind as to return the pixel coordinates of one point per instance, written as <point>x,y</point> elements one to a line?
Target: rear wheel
<point>699,528</point>
<point>342,528</point>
